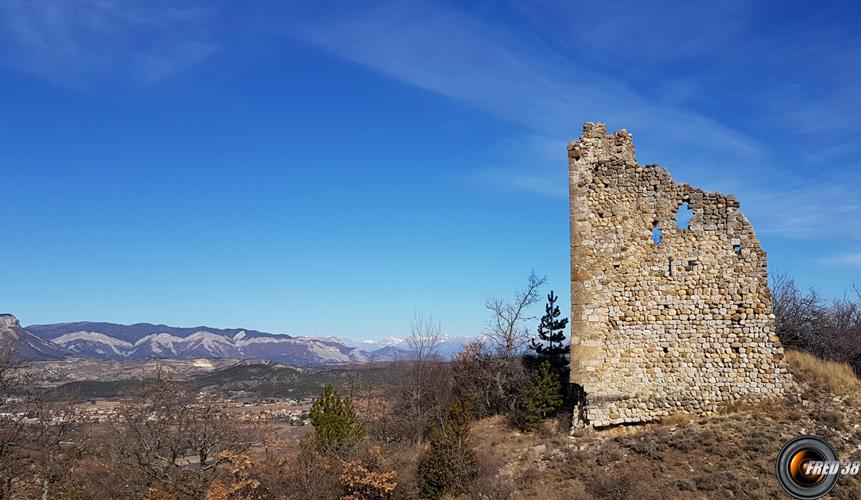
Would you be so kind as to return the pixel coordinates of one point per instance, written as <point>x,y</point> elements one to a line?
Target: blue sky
<point>329,170</point>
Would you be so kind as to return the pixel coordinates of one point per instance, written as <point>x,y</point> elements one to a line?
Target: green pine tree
<point>539,399</point>
<point>336,426</point>
<point>448,466</point>
<point>551,331</point>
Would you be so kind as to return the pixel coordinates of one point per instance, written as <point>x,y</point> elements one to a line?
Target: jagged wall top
<point>595,145</point>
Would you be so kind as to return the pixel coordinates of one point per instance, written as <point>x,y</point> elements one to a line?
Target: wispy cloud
<point>445,51</point>
<point>537,161</point>
<point>844,261</point>
<point>638,34</point>
<point>517,178</point>
<point>77,43</point>
<point>547,68</point>
<point>552,91</point>
<point>792,202</point>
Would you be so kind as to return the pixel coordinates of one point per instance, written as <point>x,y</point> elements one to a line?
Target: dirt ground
<point>729,455</point>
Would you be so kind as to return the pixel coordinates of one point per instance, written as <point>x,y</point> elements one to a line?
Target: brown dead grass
<point>832,376</point>
<point>683,456</point>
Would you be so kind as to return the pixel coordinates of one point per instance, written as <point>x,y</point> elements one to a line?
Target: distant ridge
<point>141,341</point>
<point>135,332</point>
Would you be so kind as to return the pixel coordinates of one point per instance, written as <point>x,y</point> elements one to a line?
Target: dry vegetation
<point>441,430</point>
<point>833,376</point>
<point>730,455</point>
<point>167,447</point>
<point>806,322</point>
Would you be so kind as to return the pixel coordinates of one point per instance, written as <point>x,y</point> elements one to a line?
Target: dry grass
<point>683,456</point>
<point>829,375</point>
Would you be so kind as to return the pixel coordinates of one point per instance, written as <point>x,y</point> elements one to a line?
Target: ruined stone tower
<point>663,318</point>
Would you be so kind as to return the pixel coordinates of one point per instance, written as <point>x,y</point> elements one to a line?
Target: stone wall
<point>684,324</point>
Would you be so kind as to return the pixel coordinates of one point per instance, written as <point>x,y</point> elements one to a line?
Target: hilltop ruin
<point>665,317</point>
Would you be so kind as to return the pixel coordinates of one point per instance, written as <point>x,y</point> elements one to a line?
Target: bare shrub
<point>644,445</point>
<point>529,476</point>
<point>622,483</point>
<point>491,382</point>
<point>488,488</point>
<point>488,484</point>
<point>798,315</point>
<point>12,426</point>
<point>369,473</point>
<point>31,458</point>
<point>312,474</point>
<point>424,388</point>
<point>608,454</point>
<point>804,321</point>
<point>165,440</point>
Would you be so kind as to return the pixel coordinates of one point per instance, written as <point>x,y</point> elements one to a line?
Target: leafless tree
<point>424,387</point>
<point>803,320</point>
<point>425,338</point>
<point>490,381</point>
<point>12,416</point>
<point>798,315</point>
<point>166,439</point>
<point>505,330</point>
<point>845,329</point>
<point>32,458</point>
<point>51,448</point>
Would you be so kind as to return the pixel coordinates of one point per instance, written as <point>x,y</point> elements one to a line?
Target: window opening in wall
<point>657,234</point>
<point>684,215</point>
<point>671,266</point>
<point>736,249</point>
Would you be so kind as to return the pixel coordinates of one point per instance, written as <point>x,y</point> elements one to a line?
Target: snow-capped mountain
<point>398,349</point>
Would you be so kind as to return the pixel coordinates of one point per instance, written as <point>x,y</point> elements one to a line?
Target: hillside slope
<point>729,455</point>
<point>27,347</point>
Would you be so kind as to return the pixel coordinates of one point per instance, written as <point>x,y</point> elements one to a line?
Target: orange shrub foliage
<point>365,482</point>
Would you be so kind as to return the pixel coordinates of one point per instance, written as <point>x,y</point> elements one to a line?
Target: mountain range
<point>27,345</point>
<point>110,341</point>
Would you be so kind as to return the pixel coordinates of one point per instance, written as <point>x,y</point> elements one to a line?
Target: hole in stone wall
<point>736,249</point>
<point>666,350</point>
<point>684,214</point>
<point>657,234</point>
<point>671,266</point>
<point>692,264</point>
